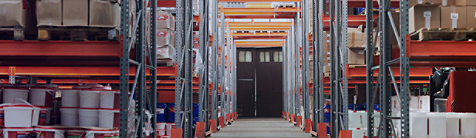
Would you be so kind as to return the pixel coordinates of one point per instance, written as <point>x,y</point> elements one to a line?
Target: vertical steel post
<point>305,57</point>
<point>385,56</point>
<point>142,86</point>
<point>222,63</point>
<point>153,63</point>
<point>370,77</point>
<point>297,43</point>
<point>345,89</point>
<point>404,69</point>
<point>215,60</point>
<point>124,67</point>
<point>203,89</point>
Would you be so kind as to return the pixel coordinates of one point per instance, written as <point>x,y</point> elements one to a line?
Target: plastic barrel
<point>327,117</point>
<point>161,112</point>
<point>170,113</point>
<point>195,110</point>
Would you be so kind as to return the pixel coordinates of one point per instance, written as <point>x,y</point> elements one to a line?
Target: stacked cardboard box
<point>98,13</point>
<point>16,13</point>
<point>442,14</point>
<point>165,35</point>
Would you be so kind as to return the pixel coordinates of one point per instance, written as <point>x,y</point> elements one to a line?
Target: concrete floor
<point>261,128</point>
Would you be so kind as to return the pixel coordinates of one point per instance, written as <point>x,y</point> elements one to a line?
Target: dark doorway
<point>260,82</point>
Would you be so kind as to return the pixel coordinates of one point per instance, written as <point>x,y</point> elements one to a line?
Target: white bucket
<point>169,126</point>
<point>69,116</point>
<point>75,133</point>
<point>160,126</point>
<point>418,125</point>
<point>168,132</point>
<point>452,125</point>
<point>108,99</point>
<point>363,118</point>
<point>160,132</point>
<point>437,125</point>
<point>69,98</point>
<point>100,133</point>
<point>10,95</point>
<point>358,132</point>
<point>88,117</point>
<point>89,98</point>
<point>109,118</point>
<point>468,125</point>
<point>49,132</point>
<point>24,132</point>
<point>42,96</point>
<point>355,121</point>
<point>21,115</point>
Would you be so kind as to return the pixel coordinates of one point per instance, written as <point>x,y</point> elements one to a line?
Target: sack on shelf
<point>167,52</point>
<point>74,13</point>
<point>104,13</point>
<point>17,13</point>
<point>165,20</point>
<point>165,37</point>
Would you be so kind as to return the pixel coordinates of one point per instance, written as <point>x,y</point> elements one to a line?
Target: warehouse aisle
<point>261,128</point>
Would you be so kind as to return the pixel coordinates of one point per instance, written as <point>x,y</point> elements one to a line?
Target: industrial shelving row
<point>340,71</point>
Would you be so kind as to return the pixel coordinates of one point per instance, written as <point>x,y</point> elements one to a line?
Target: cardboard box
<point>167,52</point>
<point>49,12</point>
<point>165,20</point>
<point>470,16</point>
<point>356,56</point>
<point>450,13</point>
<point>74,13</point>
<point>104,13</point>
<point>412,3</point>
<point>18,15</point>
<point>417,19</point>
<point>165,37</point>
<point>465,2</point>
<point>327,68</point>
<point>355,34</point>
<point>357,43</point>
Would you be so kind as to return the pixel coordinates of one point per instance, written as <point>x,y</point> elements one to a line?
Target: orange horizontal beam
<point>363,81</point>
<point>60,48</point>
<point>257,24</point>
<point>260,28</point>
<point>258,10</point>
<point>171,87</point>
<point>104,81</point>
<point>80,71</point>
<point>414,72</point>
<point>440,48</point>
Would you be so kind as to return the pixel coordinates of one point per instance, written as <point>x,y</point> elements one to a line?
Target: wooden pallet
<point>76,33</point>
<point>165,62</point>
<point>457,34</point>
<point>12,33</point>
<point>287,6</point>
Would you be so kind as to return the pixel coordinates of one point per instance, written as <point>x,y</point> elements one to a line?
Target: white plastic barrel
<point>468,125</point>
<point>69,116</point>
<point>89,98</point>
<point>107,99</point>
<point>418,125</point>
<point>11,95</point>
<point>363,118</point>
<point>437,125</point>
<point>88,117</point>
<point>42,96</point>
<point>108,118</point>
<point>21,115</point>
<point>452,125</point>
<point>69,98</point>
<point>17,132</point>
<point>354,120</point>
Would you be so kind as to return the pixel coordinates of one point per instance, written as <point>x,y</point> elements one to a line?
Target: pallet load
<point>18,21</point>
<point>80,19</point>
<point>165,35</point>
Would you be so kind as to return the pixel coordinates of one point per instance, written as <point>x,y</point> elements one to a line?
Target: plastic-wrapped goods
<point>418,125</point>
<point>16,13</point>
<point>74,13</point>
<point>49,12</point>
<point>104,13</point>
<point>165,37</point>
<point>355,121</point>
<point>167,52</point>
<point>165,20</point>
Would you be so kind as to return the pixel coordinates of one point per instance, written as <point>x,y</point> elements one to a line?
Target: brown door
<point>259,82</point>
<point>246,82</point>
<point>269,80</point>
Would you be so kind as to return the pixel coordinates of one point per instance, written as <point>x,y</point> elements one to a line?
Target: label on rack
<point>454,18</point>
<point>427,15</point>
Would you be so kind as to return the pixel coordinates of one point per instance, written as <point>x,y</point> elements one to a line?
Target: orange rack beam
<point>79,71</point>
<point>271,35</point>
<point>414,72</point>
<point>60,48</point>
